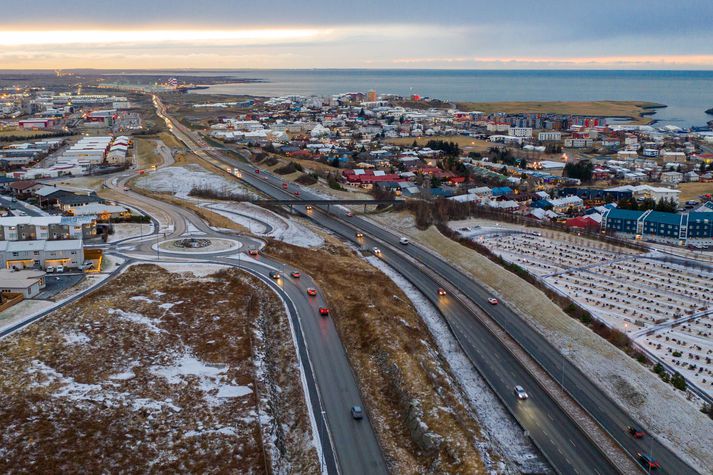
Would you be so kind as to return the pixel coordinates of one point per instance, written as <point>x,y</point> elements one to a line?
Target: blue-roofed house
<point>501,191</point>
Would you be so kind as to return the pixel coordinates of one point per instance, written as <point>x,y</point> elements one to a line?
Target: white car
<point>520,393</point>
<point>59,268</point>
<point>376,251</point>
<point>493,301</point>
<point>49,269</point>
<point>403,241</point>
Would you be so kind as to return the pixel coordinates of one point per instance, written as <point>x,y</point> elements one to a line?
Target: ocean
<point>686,93</point>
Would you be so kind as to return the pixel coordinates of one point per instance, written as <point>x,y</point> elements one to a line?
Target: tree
<point>667,205</point>
<point>678,382</point>
<point>581,170</point>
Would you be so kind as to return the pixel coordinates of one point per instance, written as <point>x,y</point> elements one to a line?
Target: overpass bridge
<point>325,203</point>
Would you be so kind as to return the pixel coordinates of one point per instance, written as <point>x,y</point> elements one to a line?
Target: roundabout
<point>197,245</point>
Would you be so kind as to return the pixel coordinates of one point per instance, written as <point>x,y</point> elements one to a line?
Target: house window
<point>36,253</point>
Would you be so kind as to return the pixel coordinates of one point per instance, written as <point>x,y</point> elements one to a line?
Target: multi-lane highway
<point>350,446</point>
<point>562,442</point>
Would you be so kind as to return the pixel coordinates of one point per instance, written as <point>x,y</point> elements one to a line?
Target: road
<point>355,446</point>
<point>565,445</point>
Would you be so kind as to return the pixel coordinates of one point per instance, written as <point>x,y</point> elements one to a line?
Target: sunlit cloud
<point>701,60</point>
<point>57,38</point>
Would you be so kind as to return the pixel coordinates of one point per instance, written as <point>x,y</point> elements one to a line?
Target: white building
<point>641,192</point>
<point>671,178</point>
<point>525,132</point>
<point>578,143</point>
<point>29,283</point>
<point>549,136</point>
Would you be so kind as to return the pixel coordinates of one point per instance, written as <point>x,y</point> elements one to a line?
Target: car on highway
<point>274,275</point>
<point>493,301</point>
<point>253,252</point>
<point>349,214</point>
<point>441,291</point>
<point>296,193</point>
<point>403,241</point>
<point>648,461</point>
<point>357,413</point>
<point>311,291</point>
<point>324,311</point>
<point>257,171</point>
<point>376,251</point>
<point>295,274</point>
<point>636,432</point>
<point>359,235</point>
<point>520,393</point>
<point>285,186</point>
<point>308,208</point>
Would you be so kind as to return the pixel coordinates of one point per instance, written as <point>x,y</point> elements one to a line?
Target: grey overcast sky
<point>618,34</point>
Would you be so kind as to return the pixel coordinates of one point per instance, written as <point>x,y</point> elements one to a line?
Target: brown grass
<point>393,356</point>
<point>691,191</point>
<point>465,143</point>
<point>107,427</point>
<point>632,109</point>
<point>146,153</point>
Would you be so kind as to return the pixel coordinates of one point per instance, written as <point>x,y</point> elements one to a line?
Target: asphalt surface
<point>348,444</point>
<point>564,444</point>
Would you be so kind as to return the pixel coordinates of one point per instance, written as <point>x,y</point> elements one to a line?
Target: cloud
<point>703,61</point>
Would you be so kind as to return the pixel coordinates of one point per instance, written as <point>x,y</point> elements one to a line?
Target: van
<point>59,268</point>
<point>49,269</point>
<point>403,241</point>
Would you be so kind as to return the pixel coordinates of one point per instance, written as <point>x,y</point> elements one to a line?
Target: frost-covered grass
<point>154,380</point>
<point>180,180</point>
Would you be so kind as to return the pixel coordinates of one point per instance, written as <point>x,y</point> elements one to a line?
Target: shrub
<point>678,381</point>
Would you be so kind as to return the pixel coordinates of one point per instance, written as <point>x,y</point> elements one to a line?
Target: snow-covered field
<point>263,222</point>
<point>130,230</point>
<point>181,180</point>
<point>501,429</point>
<point>635,293</point>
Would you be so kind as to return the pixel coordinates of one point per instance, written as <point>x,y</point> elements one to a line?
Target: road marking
<point>572,442</point>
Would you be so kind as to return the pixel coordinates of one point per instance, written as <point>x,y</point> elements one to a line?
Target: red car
<point>297,193</point>
<point>284,186</point>
<point>493,301</point>
<point>253,252</point>
<point>324,311</point>
<point>648,462</point>
<point>636,432</point>
<point>257,171</point>
<point>295,274</point>
<point>311,291</point>
<point>349,214</point>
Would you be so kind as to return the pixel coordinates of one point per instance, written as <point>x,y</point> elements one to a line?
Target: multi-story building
<point>695,228</point>
<point>550,136</point>
<point>39,242</point>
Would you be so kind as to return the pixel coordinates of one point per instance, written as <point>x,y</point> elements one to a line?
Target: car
<point>359,235</point>
<point>349,214</point>
<point>441,291</point>
<point>308,208</point>
<point>324,311</point>
<point>285,186</point>
<point>295,274</point>
<point>87,265</point>
<point>648,461</point>
<point>403,241</point>
<point>357,413</point>
<point>296,193</point>
<point>311,291</point>
<point>493,301</point>
<point>126,188</point>
<point>257,171</point>
<point>253,252</point>
<point>49,269</point>
<point>636,432</point>
<point>274,275</point>
<point>59,269</point>
<point>376,251</point>
<point>520,393</point>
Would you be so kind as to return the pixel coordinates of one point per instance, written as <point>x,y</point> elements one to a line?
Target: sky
<point>450,34</point>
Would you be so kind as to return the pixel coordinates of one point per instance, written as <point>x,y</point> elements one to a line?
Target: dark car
<point>275,275</point>
<point>357,412</point>
<point>648,461</point>
<point>636,432</point>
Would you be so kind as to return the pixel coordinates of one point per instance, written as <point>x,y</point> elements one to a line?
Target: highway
<point>350,446</point>
<point>564,445</point>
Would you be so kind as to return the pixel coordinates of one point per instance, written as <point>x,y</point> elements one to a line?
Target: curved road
<point>567,448</point>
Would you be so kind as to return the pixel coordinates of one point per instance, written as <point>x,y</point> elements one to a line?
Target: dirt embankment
<point>420,416</point>
<point>143,376</point>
